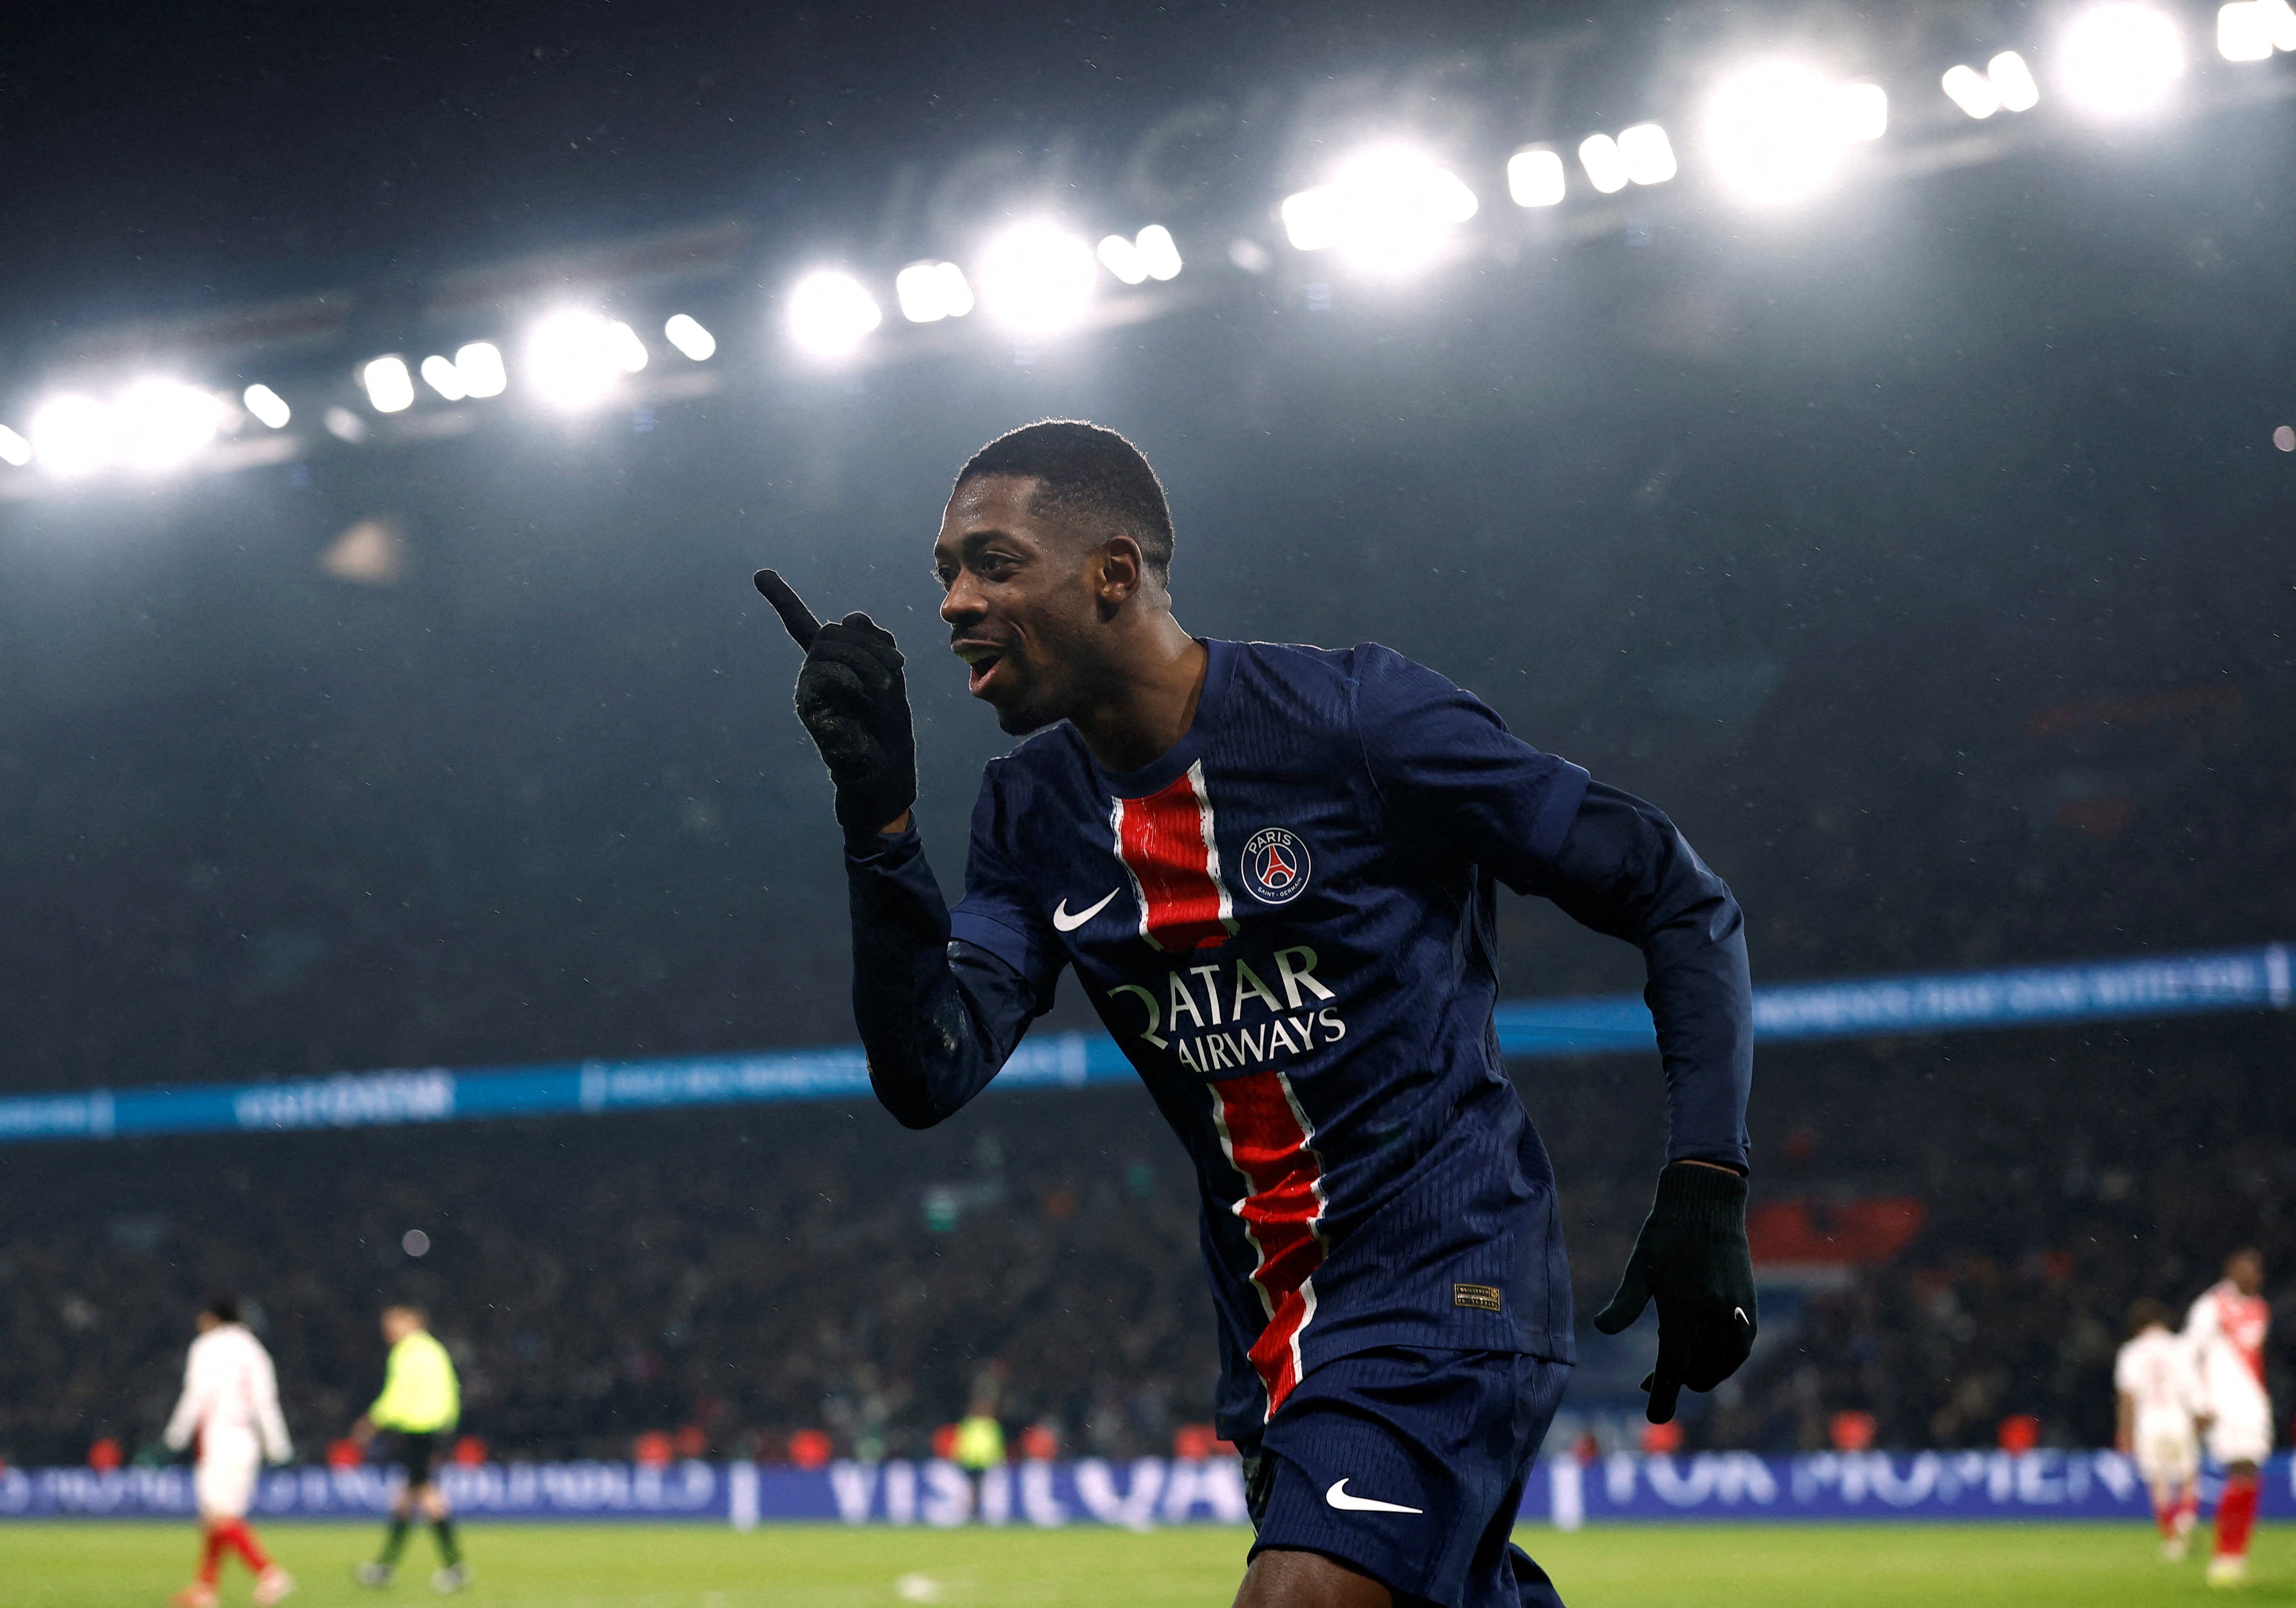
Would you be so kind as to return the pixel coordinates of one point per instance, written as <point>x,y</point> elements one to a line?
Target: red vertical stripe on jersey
<point>1266,1136</point>
<point>1166,842</point>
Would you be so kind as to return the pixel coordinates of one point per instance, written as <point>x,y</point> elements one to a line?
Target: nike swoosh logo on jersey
<point>1067,923</point>
<point>1338,1497</point>
<point>1740,1311</point>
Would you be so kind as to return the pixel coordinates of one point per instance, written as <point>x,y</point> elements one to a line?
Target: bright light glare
<point>72,434</point>
<point>1159,253</point>
<point>480,366</point>
<point>444,378</point>
<point>1121,257</point>
<point>2120,58</point>
<point>267,405</point>
<point>389,388</point>
<point>158,423</point>
<point>686,332</point>
<point>574,359</point>
<point>629,351</point>
<point>1778,133</point>
<point>1036,279</point>
<point>1648,153</point>
<point>1973,91</point>
<point>2280,20</point>
<point>13,448</point>
<point>1606,169</point>
<point>1535,177</point>
<point>830,313</point>
<point>2013,81</point>
<point>1387,209</point>
<point>2243,32</point>
<point>929,292</point>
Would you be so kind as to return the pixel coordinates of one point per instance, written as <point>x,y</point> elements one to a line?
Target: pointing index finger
<point>796,618</point>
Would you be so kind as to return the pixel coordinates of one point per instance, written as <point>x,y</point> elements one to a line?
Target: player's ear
<point>1117,572</point>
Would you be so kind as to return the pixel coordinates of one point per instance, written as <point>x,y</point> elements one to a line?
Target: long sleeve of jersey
<point>190,1408</point>
<point>271,1423</point>
<point>1455,778</point>
<point>937,1017</point>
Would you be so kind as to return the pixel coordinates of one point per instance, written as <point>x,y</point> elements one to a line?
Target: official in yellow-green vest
<point>420,1404</point>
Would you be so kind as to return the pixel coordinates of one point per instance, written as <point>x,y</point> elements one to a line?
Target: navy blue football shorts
<point>1408,1465</point>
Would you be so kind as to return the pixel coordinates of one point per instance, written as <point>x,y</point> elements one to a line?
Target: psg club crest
<point>1275,866</point>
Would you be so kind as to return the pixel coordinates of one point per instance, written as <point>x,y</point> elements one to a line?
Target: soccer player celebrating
<point>2225,1331</point>
<point>1273,870</point>
<point>2158,1392</point>
<point>420,1402</point>
<point>230,1409</point>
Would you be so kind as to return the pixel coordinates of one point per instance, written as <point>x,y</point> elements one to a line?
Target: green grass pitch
<point>131,1565</point>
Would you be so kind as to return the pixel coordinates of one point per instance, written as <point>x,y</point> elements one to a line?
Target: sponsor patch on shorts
<point>1482,1297</point>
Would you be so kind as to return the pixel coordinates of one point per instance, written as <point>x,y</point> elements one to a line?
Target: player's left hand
<point>1692,1258</point>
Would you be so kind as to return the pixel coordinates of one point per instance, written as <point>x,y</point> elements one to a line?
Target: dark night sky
<point>175,155</point>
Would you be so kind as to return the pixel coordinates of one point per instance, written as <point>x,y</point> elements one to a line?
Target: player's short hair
<point>1089,470</point>
<point>2145,1313</point>
<point>223,1308</point>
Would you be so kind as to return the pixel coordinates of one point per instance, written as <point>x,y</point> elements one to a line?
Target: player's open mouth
<point>980,661</point>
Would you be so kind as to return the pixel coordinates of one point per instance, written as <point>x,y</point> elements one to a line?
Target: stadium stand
<point>755,1274</point>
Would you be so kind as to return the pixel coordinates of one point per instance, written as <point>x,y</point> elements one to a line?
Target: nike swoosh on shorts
<point>1338,1497</point>
<point>1067,923</point>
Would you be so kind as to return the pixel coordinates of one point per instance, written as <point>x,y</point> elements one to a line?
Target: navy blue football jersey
<point>1287,924</point>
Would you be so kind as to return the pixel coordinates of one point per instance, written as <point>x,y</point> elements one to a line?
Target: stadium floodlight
<point>629,351</point>
<point>479,366</point>
<point>444,378</point>
<point>574,359</point>
<point>2280,21</point>
<point>72,434</point>
<point>1036,279</point>
<point>2120,59</point>
<point>1535,177</point>
<point>389,388</point>
<point>1159,253</point>
<point>14,450</point>
<point>830,313</point>
<point>2014,82</point>
<point>1971,91</point>
<point>1778,132</point>
<point>159,423</point>
<point>684,331</point>
<point>1121,257</point>
<point>1387,209</point>
<point>930,291</point>
<point>267,405</point>
<point>1606,169</point>
<point>2243,32</point>
<point>1648,154</point>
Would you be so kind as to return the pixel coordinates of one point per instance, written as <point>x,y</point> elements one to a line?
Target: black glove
<point>1692,1257</point>
<point>854,705</point>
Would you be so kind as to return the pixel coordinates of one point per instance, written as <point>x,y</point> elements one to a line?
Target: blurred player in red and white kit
<point>2158,1381</point>
<point>230,1409</point>
<point>2226,1332</point>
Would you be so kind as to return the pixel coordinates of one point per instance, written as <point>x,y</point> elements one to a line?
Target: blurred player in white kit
<point>230,1409</point>
<point>2156,1379</point>
<point>2226,1332</point>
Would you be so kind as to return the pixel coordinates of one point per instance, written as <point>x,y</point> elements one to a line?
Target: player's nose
<point>960,605</point>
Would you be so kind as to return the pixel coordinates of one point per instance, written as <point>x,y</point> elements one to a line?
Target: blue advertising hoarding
<point>1149,1492</point>
<point>2226,980</point>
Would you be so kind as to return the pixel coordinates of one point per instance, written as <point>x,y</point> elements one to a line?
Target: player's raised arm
<point>1452,775</point>
<point>938,1018</point>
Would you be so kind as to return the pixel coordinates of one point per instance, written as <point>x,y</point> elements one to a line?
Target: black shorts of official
<point>1408,1465</point>
<point>415,1454</point>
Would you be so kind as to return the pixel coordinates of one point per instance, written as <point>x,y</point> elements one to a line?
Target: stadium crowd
<point>742,1276</point>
